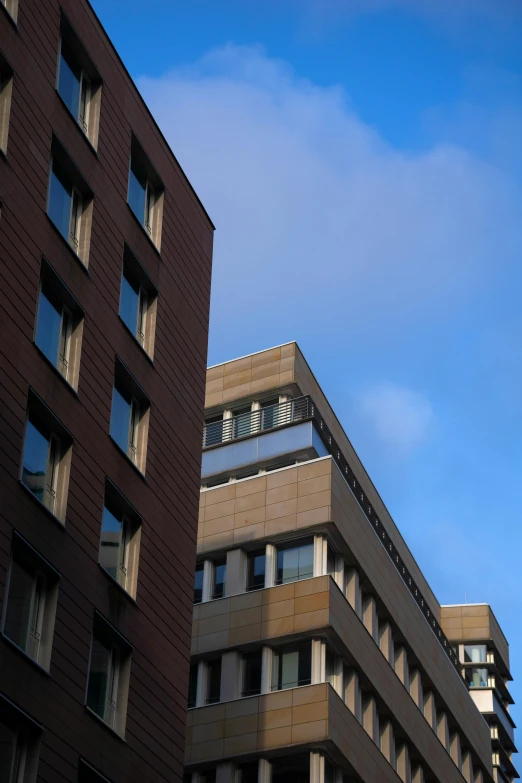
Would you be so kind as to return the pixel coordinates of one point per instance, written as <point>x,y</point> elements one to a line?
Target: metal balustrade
<point>300,409</point>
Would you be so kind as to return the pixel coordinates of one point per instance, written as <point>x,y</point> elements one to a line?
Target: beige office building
<point>319,652</point>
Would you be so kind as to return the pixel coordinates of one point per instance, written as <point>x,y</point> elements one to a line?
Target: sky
<point>362,163</point>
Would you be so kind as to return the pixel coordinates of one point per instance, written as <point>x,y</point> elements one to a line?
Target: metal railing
<point>253,422</point>
<point>298,410</point>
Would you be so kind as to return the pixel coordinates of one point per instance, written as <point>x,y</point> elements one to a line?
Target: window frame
<point>129,549</point>
<point>277,666</point>
<point>137,434</point>
<point>287,545</point>
<point>153,193</point>
<point>146,294</point>
<point>218,562</point>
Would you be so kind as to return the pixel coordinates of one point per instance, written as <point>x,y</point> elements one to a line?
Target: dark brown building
<point>105,261</point>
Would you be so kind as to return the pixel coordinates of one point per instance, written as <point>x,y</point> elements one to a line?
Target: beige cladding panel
<point>474,622</point>
<point>250,375</point>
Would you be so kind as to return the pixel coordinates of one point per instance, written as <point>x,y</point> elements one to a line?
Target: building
<point>319,652</point>
<point>105,262</point>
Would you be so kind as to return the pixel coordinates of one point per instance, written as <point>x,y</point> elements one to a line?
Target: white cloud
<point>401,418</point>
<point>319,221</point>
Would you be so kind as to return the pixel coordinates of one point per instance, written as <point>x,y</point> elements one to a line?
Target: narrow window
<point>119,540</point>
<point>269,414</point>
<point>31,602</point>
<point>198,583</point>
<point>295,562</point>
<point>295,768</point>
<point>208,775</point>
<point>193,685</point>
<point>329,666</point>
<point>19,744</point>
<point>248,773</point>
<point>292,666</point>
<point>138,302</point>
<point>6,88</point>
<point>129,417</point>
<point>256,565</point>
<point>242,422</point>
<point>59,325</point>
<point>78,82</point>
<point>145,192</point>
<point>108,680</point>
<point>252,665</point>
<point>46,458</point>
<point>69,202</point>
<point>214,681</point>
<point>218,585</point>
<point>213,433</point>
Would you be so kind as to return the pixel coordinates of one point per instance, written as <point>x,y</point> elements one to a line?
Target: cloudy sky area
<point>362,163</point>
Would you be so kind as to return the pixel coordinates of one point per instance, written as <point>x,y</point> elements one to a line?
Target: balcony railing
<point>301,409</point>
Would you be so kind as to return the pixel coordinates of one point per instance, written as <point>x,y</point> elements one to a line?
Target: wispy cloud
<point>401,418</point>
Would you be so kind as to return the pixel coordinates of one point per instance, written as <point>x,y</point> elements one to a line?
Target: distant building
<point>319,652</point>
<point>105,262</point>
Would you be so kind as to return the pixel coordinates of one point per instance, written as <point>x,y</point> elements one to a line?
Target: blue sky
<point>362,163</point>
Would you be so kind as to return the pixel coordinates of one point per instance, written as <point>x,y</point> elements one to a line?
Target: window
<point>46,458</point>
<point>78,82</point>
<point>129,416</point>
<point>218,581</point>
<point>292,666</point>
<point>214,681</point>
<point>193,685</point>
<point>30,607</point>
<point>6,88</point>
<point>12,8</point>
<point>138,302</point>
<point>145,194</point>
<point>475,653</point>
<point>88,774</point>
<point>295,562</point>
<point>198,583</point>
<point>69,203</point>
<point>213,430</point>
<point>477,678</point>
<point>330,560</point>
<point>329,666</point>
<point>120,539</point>
<point>248,773</point>
<point>269,414</point>
<point>207,775</point>
<point>59,325</point>
<point>108,680</point>
<point>252,666</point>
<point>19,744</point>
<point>295,768</point>
<point>242,422</point>
<point>256,565</point>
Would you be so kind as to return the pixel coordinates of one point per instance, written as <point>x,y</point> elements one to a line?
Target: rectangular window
<point>329,666</point>
<point>242,422</point>
<point>270,414</point>
<point>198,583</point>
<point>294,768</point>
<point>213,433</point>
<point>248,773</point>
<point>78,82</point>
<point>120,539</point>
<point>252,666</point>
<point>108,680</point>
<point>145,192</point>
<point>19,744</point>
<point>88,774</point>
<point>475,653</point>
<point>59,325</point>
<point>218,582</point>
<point>256,565</point>
<point>295,561</point>
<point>129,416</point>
<point>6,89</point>
<point>69,204</point>
<point>292,666</point>
<point>193,685</point>
<point>214,681</point>
<point>477,678</point>
<point>30,607</point>
<point>138,302</point>
<point>46,458</point>
<point>207,775</point>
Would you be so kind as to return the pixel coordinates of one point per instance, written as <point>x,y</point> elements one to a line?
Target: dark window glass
<point>113,545</point>
<point>292,666</point>
<point>214,430</point>
<point>103,673</point>
<point>69,80</point>
<point>130,302</point>
<point>49,325</point>
<point>220,570</point>
<point>241,422</point>
<point>252,662</point>
<point>19,615</point>
<point>291,768</point>
<point>193,685</point>
<point>11,755</point>
<point>269,414</point>
<point>208,775</point>
<point>87,774</point>
<point>330,666</point>
<point>37,456</point>
<point>256,562</point>
<point>214,681</point>
<point>248,772</point>
<point>121,416</point>
<point>60,197</point>
<point>330,561</point>
<point>295,561</point>
<point>198,583</point>
<point>137,190</point>
<point>328,772</point>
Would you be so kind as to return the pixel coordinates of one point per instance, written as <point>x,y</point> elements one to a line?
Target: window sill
<point>65,242</point>
<point>82,132</point>
<point>140,346</point>
<point>104,723</point>
<point>56,370</point>
<point>5,11</point>
<point>58,521</point>
<point>117,584</point>
<point>19,650</point>
<point>140,224</point>
<point>136,468</point>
